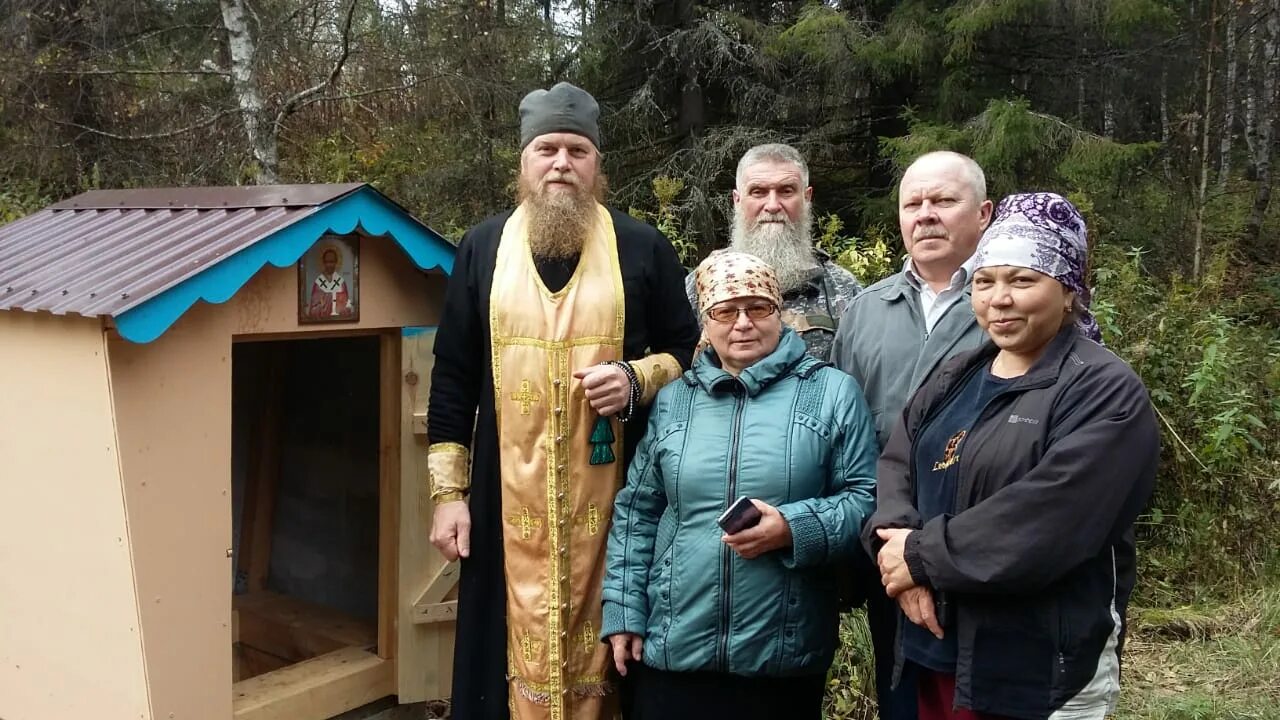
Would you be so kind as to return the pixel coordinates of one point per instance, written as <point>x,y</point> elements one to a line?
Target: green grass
<point>1219,662</point>
<point>851,683</point>
<point>1211,661</point>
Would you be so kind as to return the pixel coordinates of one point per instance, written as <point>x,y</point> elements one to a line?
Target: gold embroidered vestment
<point>556,506</point>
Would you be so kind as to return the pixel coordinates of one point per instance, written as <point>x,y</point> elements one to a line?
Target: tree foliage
<point>1154,116</point>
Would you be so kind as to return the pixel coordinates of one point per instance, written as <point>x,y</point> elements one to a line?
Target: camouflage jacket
<point>814,309</point>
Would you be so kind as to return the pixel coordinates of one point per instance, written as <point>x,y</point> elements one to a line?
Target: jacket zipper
<point>726,556</point>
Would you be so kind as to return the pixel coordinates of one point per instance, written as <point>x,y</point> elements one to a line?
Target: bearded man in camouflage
<point>773,220</point>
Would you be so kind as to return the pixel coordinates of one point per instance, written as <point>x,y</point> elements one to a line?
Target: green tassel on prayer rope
<point>601,455</point>
<point>601,442</point>
<point>602,432</point>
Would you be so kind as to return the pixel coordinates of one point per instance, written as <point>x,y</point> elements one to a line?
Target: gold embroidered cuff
<point>655,371</point>
<point>448,469</point>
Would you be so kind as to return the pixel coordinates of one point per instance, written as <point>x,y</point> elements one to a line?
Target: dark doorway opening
<point>305,499</point>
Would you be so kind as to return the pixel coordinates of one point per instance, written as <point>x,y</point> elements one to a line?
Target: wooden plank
<point>446,579</point>
<point>436,612</point>
<point>254,559</point>
<point>250,662</point>
<point>388,493</point>
<point>316,689</point>
<point>297,630</point>
<point>424,654</point>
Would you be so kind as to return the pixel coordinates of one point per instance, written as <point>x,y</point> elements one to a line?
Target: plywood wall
<point>173,411</point>
<point>70,643</point>
<point>173,403</point>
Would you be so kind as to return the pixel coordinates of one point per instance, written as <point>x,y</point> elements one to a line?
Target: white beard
<point>786,246</point>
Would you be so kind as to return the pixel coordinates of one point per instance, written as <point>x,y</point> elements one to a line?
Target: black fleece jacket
<point>1040,548</point>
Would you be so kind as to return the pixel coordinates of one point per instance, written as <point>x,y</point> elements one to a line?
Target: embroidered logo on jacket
<point>952,454</point>
<point>1016,418</point>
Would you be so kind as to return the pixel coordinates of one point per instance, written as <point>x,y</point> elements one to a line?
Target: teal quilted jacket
<point>790,431</point>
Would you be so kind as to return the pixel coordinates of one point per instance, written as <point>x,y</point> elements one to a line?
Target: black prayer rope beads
<point>633,397</point>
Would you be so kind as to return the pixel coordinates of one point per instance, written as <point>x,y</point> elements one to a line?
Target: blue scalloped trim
<point>366,207</point>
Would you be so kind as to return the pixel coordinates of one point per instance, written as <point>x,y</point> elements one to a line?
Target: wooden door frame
<point>348,677</point>
<point>389,420</point>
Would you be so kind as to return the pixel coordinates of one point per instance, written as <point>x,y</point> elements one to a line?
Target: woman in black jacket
<point>1008,491</point>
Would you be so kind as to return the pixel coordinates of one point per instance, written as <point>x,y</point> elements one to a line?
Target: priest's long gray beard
<point>559,223</point>
<point>785,245</point>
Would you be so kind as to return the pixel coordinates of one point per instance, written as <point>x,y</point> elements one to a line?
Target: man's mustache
<point>567,178</point>
<point>778,217</point>
<point>928,232</point>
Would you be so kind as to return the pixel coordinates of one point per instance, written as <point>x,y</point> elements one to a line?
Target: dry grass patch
<point>1219,663</point>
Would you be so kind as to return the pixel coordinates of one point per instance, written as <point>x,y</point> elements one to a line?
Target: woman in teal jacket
<point>741,625</point>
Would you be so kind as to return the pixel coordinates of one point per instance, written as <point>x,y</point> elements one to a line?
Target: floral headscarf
<point>729,274</point>
<point>1043,232</point>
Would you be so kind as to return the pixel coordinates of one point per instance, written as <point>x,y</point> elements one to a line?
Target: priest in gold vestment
<point>561,321</point>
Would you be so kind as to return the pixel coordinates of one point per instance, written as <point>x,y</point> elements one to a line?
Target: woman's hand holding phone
<point>768,532</point>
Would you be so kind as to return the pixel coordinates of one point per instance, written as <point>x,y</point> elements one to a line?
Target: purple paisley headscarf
<point>1044,232</point>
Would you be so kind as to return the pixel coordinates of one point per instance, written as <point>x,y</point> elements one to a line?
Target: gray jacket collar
<point>901,287</point>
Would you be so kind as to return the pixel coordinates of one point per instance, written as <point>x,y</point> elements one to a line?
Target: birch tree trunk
<point>1108,113</point>
<point>1202,187</point>
<point>1266,123</point>
<point>1251,75</point>
<point>244,82</point>
<point>1167,160</point>
<point>1228,100</point>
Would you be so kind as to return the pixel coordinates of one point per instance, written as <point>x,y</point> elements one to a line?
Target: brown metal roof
<point>211,198</point>
<point>105,251</point>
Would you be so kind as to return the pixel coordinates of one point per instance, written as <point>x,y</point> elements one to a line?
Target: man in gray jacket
<point>894,333</point>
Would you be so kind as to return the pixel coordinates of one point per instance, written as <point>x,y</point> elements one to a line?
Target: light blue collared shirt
<point>933,304</point>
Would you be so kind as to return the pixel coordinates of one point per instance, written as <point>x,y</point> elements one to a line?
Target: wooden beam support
<point>388,493</point>
<point>424,650</point>
<point>253,562</point>
<point>316,689</point>
<point>445,580</point>
<point>435,612</point>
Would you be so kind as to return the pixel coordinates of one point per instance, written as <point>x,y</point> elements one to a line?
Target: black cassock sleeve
<point>672,327</point>
<point>460,364</point>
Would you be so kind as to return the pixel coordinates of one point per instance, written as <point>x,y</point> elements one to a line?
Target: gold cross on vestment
<point>525,397</point>
<point>591,519</point>
<point>530,648</point>
<point>527,522</point>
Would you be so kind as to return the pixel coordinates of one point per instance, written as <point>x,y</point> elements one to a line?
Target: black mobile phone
<point>741,515</point>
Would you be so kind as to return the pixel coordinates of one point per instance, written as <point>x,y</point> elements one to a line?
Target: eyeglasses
<point>728,314</point>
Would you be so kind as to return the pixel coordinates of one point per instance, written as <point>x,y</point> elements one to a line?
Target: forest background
<point>1156,117</point>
